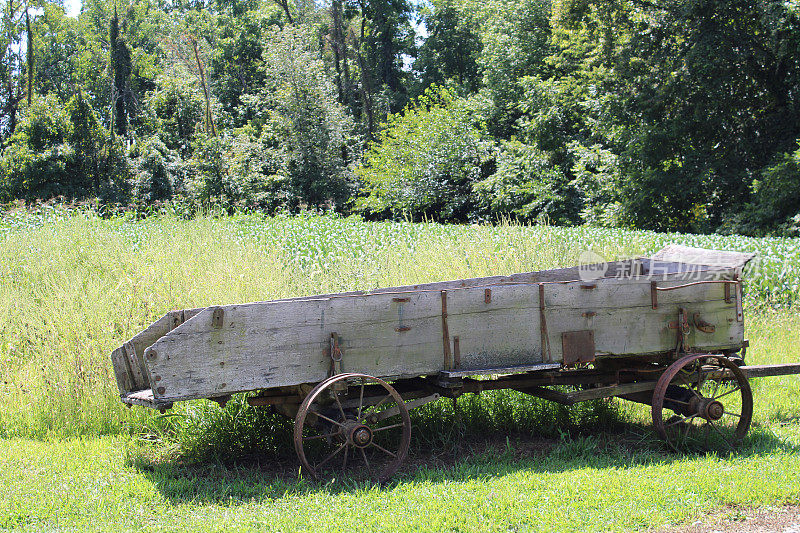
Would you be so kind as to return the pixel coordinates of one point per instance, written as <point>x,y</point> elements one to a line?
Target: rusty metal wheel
<point>355,424</point>
<point>702,402</point>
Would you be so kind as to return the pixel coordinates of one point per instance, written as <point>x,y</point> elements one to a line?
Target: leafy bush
<point>61,150</point>
<point>235,171</point>
<point>425,161</point>
<point>155,168</point>
<point>36,162</point>
<point>175,112</point>
<point>526,185</point>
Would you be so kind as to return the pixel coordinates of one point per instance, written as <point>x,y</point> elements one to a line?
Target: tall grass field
<point>74,286</point>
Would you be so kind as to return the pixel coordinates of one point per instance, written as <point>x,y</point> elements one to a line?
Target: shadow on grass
<point>484,440</point>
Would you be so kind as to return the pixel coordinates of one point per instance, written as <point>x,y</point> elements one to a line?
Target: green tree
<point>86,138</point>
<point>120,67</point>
<point>36,163</point>
<point>707,98</point>
<point>425,161</point>
<point>236,64</point>
<point>452,48</point>
<point>515,43</point>
<point>12,65</point>
<point>176,109</point>
<point>315,129</point>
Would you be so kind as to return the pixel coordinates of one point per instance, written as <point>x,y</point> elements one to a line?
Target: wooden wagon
<point>667,331</point>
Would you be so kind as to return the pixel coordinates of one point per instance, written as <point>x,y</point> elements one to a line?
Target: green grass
<point>74,286</point>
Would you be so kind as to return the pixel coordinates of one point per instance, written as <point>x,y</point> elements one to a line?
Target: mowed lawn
<point>72,458</point>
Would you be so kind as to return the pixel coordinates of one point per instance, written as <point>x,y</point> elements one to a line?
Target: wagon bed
<point>609,329</point>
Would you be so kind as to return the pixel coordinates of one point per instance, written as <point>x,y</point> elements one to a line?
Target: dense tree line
<point>669,115</point>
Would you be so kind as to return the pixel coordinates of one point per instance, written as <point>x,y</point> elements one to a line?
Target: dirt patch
<point>784,519</point>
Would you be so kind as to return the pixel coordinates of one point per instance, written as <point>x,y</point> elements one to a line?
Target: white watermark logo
<point>592,266</point>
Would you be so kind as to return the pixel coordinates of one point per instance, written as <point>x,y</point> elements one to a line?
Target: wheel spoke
<point>331,456</point>
<point>716,388</point>
<point>384,450</point>
<point>722,435</point>
<point>331,420</point>
<point>339,404</point>
<point>360,400</point>
<point>384,428</point>
<point>366,462</point>
<point>373,407</point>
<point>726,393</point>
<point>325,436</point>
<point>684,419</point>
<point>671,400</point>
<point>690,387</point>
<point>737,415</point>
<point>701,380</point>
<point>688,428</point>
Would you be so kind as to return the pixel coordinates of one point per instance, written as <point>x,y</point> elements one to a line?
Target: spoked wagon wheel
<point>702,402</point>
<point>355,424</point>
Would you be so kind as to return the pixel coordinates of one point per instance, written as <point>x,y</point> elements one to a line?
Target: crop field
<point>73,286</point>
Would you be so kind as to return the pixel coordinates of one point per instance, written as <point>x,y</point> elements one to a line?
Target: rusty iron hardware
<point>161,390</point>
<point>335,353</point>
<point>589,286</point>
<point>727,293</point>
<point>654,294</point>
<point>456,352</point>
<point>216,317</point>
<point>578,346</point>
<point>588,314</point>
<point>401,300</point>
<point>487,296</point>
<point>401,329</point>
<point>543,324</point>
<point>152,354</point>
<point>702,325</point>
<point>739,310</point>
<point>654,288</point>
<point>445,333</point>
<point>683,331</point>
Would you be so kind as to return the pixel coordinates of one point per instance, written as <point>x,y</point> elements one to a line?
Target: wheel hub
<point>706,408</point>
<point>361,436</point>
<point>714,410</point>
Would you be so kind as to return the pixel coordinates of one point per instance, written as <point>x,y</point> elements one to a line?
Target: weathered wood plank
<point>762,371</point>
<point>265,345</point>
<point>135,366</point>
<point>694,256</point>
<point>627,293</point>
<point>501,370</point>
<point>633,331</point>
<point>283,343</point>
<point>122,371</point>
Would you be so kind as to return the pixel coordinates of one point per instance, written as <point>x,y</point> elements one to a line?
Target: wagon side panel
<point>265,345</point>
<point>406,334</point>
<point>623,320</point>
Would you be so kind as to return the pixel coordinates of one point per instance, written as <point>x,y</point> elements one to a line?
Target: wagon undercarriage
<point>665,331</point>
